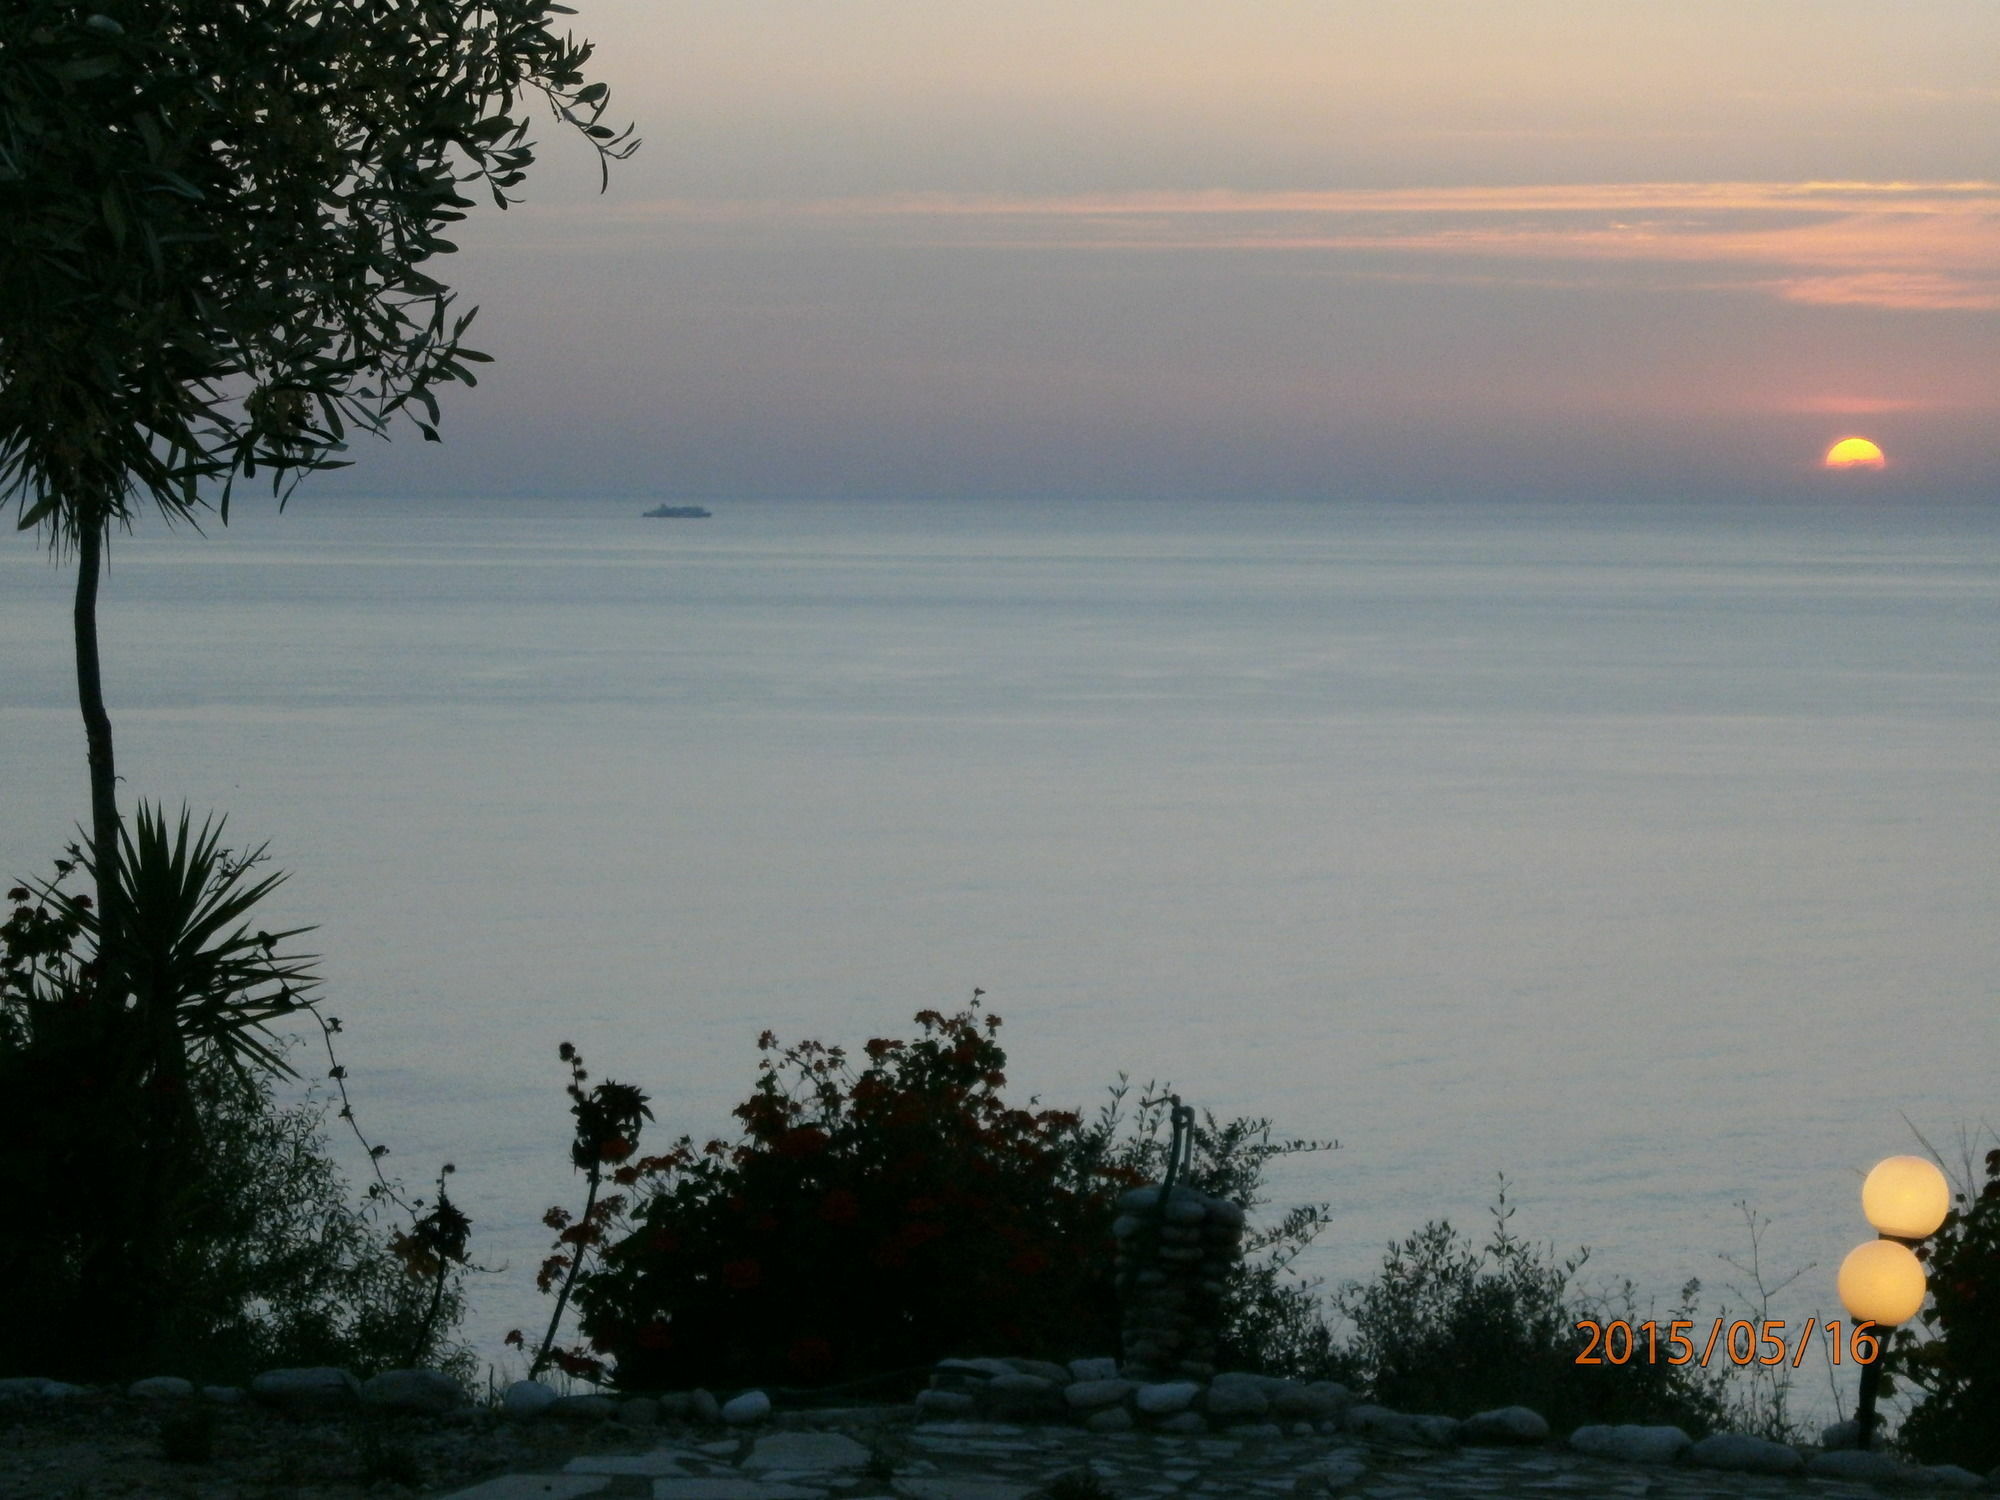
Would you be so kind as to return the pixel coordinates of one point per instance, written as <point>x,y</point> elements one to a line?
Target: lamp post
<point>1882,1281</point>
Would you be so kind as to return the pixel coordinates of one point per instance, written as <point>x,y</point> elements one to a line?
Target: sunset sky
<point>1129,248</point>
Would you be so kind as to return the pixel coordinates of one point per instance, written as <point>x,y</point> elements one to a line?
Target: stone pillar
<point>1172,1267</point>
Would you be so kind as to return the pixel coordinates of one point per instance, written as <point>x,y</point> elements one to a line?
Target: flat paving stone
<point>658,1464</point>
<point>531,1487</point>
<point>731,1487</point>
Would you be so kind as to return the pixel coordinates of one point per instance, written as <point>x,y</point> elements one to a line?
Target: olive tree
<point>215,222</point>
<point>215,217</point>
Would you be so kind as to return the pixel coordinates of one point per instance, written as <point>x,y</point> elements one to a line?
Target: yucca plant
<point>105,1036</point>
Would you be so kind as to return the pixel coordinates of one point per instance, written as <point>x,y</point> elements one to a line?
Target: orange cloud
<point>1921,245</point>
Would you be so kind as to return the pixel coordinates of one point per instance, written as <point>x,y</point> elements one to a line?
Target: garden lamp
<point>1882,1282</point>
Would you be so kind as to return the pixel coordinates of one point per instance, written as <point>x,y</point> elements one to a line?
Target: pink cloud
<point>1904,245</point>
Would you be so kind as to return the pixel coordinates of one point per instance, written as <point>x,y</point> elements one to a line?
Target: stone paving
<point>861,1453</point>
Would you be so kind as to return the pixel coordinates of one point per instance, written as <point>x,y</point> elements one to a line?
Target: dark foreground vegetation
<point>876,1213</point>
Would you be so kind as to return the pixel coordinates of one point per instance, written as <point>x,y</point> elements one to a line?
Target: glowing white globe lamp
<point>1906,1198</point>
<point>1881,1282</point>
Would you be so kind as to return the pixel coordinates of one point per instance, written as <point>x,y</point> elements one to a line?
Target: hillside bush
<point>871,1222</point>
<point>866,1222</point>
<point>1955,1362</point>
<point>1453,1328</point>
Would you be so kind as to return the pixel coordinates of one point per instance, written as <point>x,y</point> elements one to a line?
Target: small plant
<point>1761,1406</point>
<point>188,1437</point>
<point>607,1134</point>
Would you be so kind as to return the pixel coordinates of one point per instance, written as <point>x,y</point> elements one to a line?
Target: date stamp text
<point>1741,1342</point>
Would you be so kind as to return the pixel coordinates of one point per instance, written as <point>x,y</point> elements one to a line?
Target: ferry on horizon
<point>678,512</point>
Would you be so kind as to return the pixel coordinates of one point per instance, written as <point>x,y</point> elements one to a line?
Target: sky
<point>1283,248</point>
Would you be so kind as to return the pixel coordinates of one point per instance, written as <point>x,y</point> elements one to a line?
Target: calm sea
<point>1643,853</point>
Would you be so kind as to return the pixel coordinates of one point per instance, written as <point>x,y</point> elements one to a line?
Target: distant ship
<point>678,512</point>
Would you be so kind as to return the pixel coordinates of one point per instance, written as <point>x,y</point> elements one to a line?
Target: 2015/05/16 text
<point>1746,1343</point>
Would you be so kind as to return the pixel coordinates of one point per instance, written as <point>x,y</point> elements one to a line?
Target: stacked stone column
<point>1173,1264</point>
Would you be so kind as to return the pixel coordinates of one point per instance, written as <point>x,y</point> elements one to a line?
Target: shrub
<point>866,1222</point>
<point>869,1223</point>
<point>1449,1328</point>
<point>1957,1367</point>
<point>183,1219</point>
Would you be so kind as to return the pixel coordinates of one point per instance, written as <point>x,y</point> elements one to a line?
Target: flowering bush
<point>1958,1366</point>
<point>865,1223</point>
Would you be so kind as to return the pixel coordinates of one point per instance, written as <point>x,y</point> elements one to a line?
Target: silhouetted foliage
<point>1955,1363</point>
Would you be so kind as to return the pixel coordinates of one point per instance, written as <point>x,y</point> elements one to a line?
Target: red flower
<point>742,1275</point>
<point>839,1206</point>
<point>615,1149</point>
<point>806,1140</point>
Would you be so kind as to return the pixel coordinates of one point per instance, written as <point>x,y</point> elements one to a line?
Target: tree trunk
<point>97,732</point>
<point>122,1272</point>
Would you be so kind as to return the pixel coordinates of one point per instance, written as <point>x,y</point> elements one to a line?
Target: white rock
<point>1841,1434</point>
<point>807,1450</point>
<point>751,1406</point>
<point>1110,1419</point>
<point>945,1403</point>
<point>1185,1421</point>
<point>317,1388</point>
<point>429,1391</point>
<point>1631,1444</point>
<point>161,1388</point>
<point>1746,1454</point>
<point>526,1398</point>
<point>1091,1395</point>
<point>1237,1398</point>
<point>37,1387</point>
<point>225,1395</point>
<point>703,1406</point>
<point>983,1369</point>
<point>1014,1395</point>
<point>1093,1369</point>
<point>1386,1426</point>
<point>1047,1369</point>
<point>1506,1424</point>
<point>1163,1397</point>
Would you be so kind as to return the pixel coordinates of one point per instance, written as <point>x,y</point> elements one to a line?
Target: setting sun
<point>1854,453</point>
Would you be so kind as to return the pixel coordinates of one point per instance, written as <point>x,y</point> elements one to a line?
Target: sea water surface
<point>1646,854</point>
